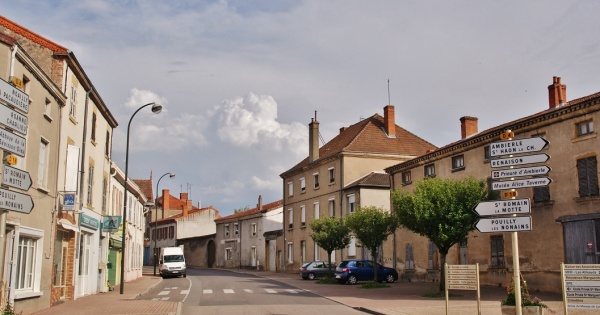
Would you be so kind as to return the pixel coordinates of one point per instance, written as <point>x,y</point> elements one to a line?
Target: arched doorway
<point>211,254</point>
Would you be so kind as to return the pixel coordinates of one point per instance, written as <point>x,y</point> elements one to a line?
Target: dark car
<point>352,271</point>
<point>315,269</point>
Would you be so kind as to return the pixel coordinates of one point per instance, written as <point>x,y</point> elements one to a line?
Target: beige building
<point>30,109</point>
<point>565,214</point>
<point>323,184</point>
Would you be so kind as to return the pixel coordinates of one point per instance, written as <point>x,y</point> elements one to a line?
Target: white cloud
<point>138,98</point>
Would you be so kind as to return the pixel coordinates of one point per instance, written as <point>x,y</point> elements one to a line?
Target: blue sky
<point>240,80</point>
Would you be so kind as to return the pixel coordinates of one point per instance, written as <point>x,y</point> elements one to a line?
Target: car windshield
<point>305,265</point>
<point>173,258</point>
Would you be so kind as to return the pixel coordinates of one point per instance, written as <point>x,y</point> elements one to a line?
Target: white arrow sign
<point>15,177</point>
<point>12,142</point>
<point>14,201</point>
<point>13,120</point>
<point>525,171</point>
<point>500,207</point>
<point>526,145</point>
<point>521,183</point>
<point>520,160</point>
<point>507,224</point>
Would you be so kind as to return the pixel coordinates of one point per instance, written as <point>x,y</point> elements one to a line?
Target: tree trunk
<point>329,265</point>
<point>442,270</point>
<point>375,266</point>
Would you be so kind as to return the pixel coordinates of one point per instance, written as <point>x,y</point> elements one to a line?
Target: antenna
<point>189,190</point>
<point>389,101</point>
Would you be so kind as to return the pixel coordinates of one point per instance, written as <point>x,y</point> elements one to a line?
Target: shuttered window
<point>541,194</point>
<point>587,174</point>
<point>497,244</point>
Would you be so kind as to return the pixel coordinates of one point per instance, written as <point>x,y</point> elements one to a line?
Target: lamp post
<point>155,234</point>
<point>156,108</point>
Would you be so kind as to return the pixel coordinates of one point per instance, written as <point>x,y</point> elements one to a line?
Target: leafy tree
<point>330,234</point>
<point>441,210</point>
<point>241,209</point>
<point>372,226</point>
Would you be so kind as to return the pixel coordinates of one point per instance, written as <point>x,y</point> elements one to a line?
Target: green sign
<point>111,223</point>
<point>89,222</point>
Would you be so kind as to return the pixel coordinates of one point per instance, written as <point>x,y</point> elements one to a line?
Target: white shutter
<point>72,168</point>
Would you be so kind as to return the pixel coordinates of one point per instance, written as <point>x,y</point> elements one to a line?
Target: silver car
<point>315,269</point>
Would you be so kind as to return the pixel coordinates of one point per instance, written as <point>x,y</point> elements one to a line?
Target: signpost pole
<point>517,272</point>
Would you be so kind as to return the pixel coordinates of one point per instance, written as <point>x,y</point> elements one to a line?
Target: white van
<point>172,262</point>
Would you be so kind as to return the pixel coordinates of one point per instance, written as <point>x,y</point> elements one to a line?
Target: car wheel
<point>311,276</point>
<point>185,275</point>
<point>389,278</point>
<point>352,279</point>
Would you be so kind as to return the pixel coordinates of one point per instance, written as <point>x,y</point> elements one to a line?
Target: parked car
<point>315,269</point>
<point>352,271</point>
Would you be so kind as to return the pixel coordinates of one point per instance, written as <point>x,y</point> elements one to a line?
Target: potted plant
<point>531,306</point>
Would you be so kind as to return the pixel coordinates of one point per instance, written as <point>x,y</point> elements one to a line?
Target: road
<point>216,292</point>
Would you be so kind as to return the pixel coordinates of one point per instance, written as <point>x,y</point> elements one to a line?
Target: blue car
<point>352,271</point>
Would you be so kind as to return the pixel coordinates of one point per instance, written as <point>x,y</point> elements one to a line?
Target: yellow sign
<point>11,159</point>
<point>18,82</point>
<point>509,194</point>
<point>507,135</point>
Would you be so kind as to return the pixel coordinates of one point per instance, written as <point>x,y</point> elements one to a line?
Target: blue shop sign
<point>89,222</point>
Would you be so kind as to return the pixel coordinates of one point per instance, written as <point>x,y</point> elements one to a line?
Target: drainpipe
<point>394,251</point>
<point>341,197</point>
<point>283,228</point>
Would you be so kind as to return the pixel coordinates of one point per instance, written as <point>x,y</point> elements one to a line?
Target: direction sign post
<point>14,201</point>
<point>520,160</point>
<point>521,183</point>
<point>505,224</point>
<point>502,207</point>
<point>518,172</point>
<point>16,178</point>
<point>527,145</point>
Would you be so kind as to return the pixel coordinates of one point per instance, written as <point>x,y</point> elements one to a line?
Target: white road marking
<point>208,291</point>
<point>164,299</point>
<point>270,291</point>
<point>164,292</point>
<point>184,291</point>
<point>155,299</point>
<point>292,291</point>
<point>228,291</point>
<point>248,291</point>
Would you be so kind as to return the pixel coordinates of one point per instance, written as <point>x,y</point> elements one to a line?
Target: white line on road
<point>292,291</point>
<point>248,291</point>
<point>228,291</point>
<point>184,291</point>
<point>165,298</point>
<point>164,292</point>
<point>208,291</point>
<point>270,291</point>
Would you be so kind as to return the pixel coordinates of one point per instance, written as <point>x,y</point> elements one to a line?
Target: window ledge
<point>458,169</point>
<point>26,295</point>
<point>48,118</point>
<point>587,136</point>
<point>43,190</point>
<point>407,183</point>
<point>73,120</point>
<point>586,199</point>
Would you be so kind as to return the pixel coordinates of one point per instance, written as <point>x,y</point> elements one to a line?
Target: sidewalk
<point>114,303</point>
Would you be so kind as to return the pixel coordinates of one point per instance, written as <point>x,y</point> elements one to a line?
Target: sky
<point>240,80</point>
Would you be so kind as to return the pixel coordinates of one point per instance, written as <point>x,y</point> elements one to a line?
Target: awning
<point>68,225</point>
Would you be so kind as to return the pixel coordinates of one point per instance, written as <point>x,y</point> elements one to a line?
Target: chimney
<point>389,120</point>
<point>557,93</point>
<point>259,205</point>
<point>199,204</point>
<point>187,207</point>
<point>184,210</point>
<point>468,126</point>
<point>165,202</point>
<point>313,139</point>
<point>343,129</point>
<point>183,196</point>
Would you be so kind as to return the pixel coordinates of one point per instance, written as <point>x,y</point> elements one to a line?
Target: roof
<point>494,132</point>
<point>18,29</point>
<point>146,187</point>
<point>373,180</point>
<point>193,211</point>
<point>265,208</point>
<point>174,203</point>
<point>369,136</point>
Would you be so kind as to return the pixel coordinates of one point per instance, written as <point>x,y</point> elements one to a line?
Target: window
<point>73,101</point>
<point>430,170</point>
<point>236,229</point>
<point>290,253</point>
<point>85,248</point>
<point>43,164</point>
<point>497,244</point>
<point>331,175</point>
<point>316,211</point>
<point>253,229</point>
<point>228,253</point>
<point>171,232</point>
<point>406,178</point>
<point>93,136</point>
<point>332,208</point>
<point>28,262</point>
<point>290,189</point>
<point>290,218</point>
<point>317,252</point>
<point>541,194</point>
<point>47,109</point>
<point>351,201</point>
<point>303,215</point>
<point>302,185</point>
<point>486,153</point>
<point>104,191</point>
<point>584,128</point>
<point>432,256</point>
<point>91,185</point>
<point>303,251</point>
<point>227,230</point>
<point>464,252</point>
<point>316,180</point>
<point>458,162</point>
<point>352,246</point>
<point>107,145</point>
<point>410,258</point>
<point>587,174</point>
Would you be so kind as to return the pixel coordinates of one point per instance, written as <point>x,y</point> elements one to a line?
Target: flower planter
<point>527,310</point>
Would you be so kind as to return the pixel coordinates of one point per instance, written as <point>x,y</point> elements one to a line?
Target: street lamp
<point>155,234</point>
<point>156,108</point>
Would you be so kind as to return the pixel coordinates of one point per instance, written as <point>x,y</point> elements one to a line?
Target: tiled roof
<point>494,132</point>
<point>373,179</point>
<point>195,210</point>
<point>369,136</point>
<point>146,188</point>
<point>265,208</point>
<point>20,30</point>
<point>174,203</point>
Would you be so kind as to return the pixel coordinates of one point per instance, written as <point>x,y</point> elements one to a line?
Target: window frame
<point>331,171</point>
<point>588,125</point>
<point>426,170</point>
<point>588,179</point>
<point>35,269</point>
<point>302,185</point>
<point>458,162</point>
<point>316,180</point>
<point>406,177</point>
<point>43,160</point>
<point>351,202</point>
<point>303,215</point>
<point>497,256</point>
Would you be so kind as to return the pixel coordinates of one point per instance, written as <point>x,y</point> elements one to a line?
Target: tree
<point>441,210</point>
<point>372,226</point>
<point>241,209</point>
<point>330,234</point>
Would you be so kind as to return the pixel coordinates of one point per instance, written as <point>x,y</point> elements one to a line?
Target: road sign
<point>11,159</point>
<point>507,135</point>
<point>13,120</point>
<point>520,160</point>
<point>17,178</point>
<point>518,172</point>
<point>526,145</point>
<point>506,224</point>
<point>14,201</point>
<point>14,96</point>
<point>12,142</point>
<point>521,183</point>
<point>507,194</point>
<point>69,202</point>
<point>500,207</point>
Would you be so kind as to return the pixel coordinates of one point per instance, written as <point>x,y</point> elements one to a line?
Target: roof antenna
<point>389,101</point>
